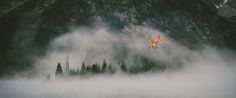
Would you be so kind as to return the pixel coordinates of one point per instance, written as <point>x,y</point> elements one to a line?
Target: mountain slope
<point>28,26</point>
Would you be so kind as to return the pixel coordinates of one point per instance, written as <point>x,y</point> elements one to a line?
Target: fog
<point>207,72</point>
<point>94,45</point>
<point>193,82</point>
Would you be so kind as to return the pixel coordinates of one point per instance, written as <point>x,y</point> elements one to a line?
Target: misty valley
<point>117,49</point>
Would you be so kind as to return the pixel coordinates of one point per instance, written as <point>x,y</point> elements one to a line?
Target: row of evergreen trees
<point>90,69</point>
<point>143,65</point>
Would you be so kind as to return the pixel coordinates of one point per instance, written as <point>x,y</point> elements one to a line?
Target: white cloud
<point>206,73</point>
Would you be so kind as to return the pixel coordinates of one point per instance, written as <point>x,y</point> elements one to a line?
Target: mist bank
<point>205,72</point>
<point>193,82</point>
<point>129,45</point>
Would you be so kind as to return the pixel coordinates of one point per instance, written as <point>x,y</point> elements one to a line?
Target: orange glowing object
<point>154,42</point>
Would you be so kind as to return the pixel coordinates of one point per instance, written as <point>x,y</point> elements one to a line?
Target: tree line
<point>88,69</point>
<point>144,65</point>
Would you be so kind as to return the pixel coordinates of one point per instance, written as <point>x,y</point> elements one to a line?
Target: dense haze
<point>199,52</point>
<point>207,75</point>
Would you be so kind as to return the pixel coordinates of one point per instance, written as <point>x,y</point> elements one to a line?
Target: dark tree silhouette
<point>83,69</point>
<point>123,67</point>
<point>88,68</point>
<point>104,66</point>
<point>59,69</point>
<point>96,68</point>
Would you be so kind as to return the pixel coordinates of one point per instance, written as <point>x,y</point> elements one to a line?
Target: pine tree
<point>83,69</point>
<point>96,68</point>
<point>104,66</point>
<point>88,68</point>
<point>59,69</point>
<point>123,67</point>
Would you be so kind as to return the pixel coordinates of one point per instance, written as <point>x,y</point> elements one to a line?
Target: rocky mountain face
<point>27,26</point>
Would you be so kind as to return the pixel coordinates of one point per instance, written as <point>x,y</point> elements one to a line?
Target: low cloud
<point>91,46</point>
<point>205,73</point>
